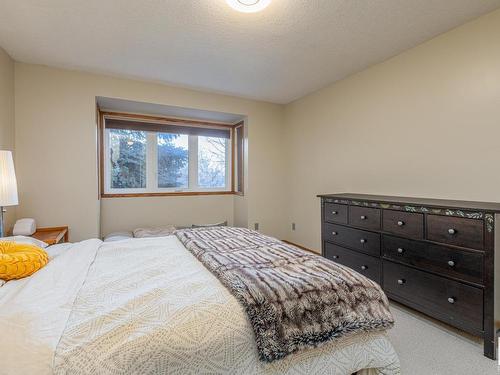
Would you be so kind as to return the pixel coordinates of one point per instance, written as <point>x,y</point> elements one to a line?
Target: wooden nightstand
<point>51,236</point>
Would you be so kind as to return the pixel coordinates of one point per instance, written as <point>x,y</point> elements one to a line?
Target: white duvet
<point>147,306</point>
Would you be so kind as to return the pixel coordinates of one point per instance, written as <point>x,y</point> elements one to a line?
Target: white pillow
<point>221,224</point>
<point>167,230</point>
<point>24,239</point>
<point>58,249</point>
<point>118,236</point>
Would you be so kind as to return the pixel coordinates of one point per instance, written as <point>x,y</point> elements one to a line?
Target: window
<point>173,160</point>
<point>127,157</point>
<point>239,151</point>
<point>212,160</point>
<point>165,157</point>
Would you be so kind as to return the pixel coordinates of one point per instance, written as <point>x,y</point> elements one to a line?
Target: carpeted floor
<point>427,347</point>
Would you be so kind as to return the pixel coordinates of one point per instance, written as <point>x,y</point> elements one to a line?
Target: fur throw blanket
<point>293,299</point>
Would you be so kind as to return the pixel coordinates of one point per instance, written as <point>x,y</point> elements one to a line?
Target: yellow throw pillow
<point>18,260</point>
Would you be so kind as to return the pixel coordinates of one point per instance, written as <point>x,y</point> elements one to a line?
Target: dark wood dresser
<point>436,256</point>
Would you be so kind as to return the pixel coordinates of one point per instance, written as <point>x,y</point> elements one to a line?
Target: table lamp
<point>8,185</point>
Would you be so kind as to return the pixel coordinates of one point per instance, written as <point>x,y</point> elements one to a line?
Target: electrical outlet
<point>256,226</point>
<point>293,226</point>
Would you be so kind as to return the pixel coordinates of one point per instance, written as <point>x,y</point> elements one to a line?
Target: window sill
<point>172,194</point>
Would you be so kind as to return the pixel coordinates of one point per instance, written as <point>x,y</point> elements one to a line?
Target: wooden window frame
<point>103,115</point>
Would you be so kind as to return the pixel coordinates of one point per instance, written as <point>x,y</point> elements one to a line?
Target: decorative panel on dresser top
<point>434,255</point>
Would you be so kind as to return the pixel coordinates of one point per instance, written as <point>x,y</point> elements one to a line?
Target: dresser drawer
<point>364,264</point>
<point>464,265</point>
<point>407,224</point>
<point>366,242</point>
<point>451,301</point>
<point>335,213</point>
<point>455,231</point>
<point>364,217</point>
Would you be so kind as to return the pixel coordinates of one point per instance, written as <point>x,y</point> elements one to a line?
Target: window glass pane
<point>173,164</point>
<point>212,162</point>
<point>128,159</point>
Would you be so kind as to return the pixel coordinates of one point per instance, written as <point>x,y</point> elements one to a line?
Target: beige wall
<point>56,155</point>
<point>7,117</point>
<point>425,123</point>
<point>129,213</point>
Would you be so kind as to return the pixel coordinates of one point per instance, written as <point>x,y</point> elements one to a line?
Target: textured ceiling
<point>290,49</point>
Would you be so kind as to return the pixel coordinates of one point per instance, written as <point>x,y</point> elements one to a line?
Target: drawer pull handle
<point>335,257</point>
<point>364,268</point>
<point>362,240</point>
<point>451,263</point>
<point>401,223</point>
<point>334,212</point>
<point>451,300</point>
<point>362,217</point>
<point>452,231</point>
<point>400,250</point>
<point>401,281</point>
<point>334,233</point>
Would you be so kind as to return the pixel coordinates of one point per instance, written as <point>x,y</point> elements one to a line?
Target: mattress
<point>147,306</point>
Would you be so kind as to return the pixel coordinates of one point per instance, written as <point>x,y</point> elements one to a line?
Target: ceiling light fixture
<point>248,6</point>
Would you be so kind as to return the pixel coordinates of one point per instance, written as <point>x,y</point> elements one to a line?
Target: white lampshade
<point>8,183</point>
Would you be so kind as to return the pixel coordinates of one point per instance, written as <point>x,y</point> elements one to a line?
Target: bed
<point>148,306</point>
